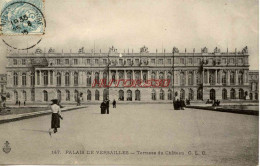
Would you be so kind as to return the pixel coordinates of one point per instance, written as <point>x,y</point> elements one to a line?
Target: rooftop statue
<point>144,50</point>
<point>112,50</point>
<point>38,51</point>
<point>51,50</point>
<point>175,50</point>
<point>245,50</point>
<point>81,50</point>
<point>204,50</point>
<point>216,50</point>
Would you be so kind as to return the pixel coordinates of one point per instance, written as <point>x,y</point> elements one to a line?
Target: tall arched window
<point>88,79</point>
<point>51,77</point>
<point>105,79</point>
<point>129,95</point>
<point>240,78</point>
<point>58,79</point>
<point>191,94</point>
<point>67,79</point>
<point>67,95</point>
<point>15,79</point>
<point>241,94</point>
<point>182,78</point>
<point>169,78</point>
<point>182,94</point>
<point>24,79</point>
<point>211,77</point>
<point>169,94</point>
<point>32,76</point>
<point>200,94</point>
<point>190,78</point>
<point>121,95</point>
<point>45,78</point>
<point>137,95</point>
<point>45,95</point>
<point>161,94</point>
<point>224,77</point>
<point>88,95</point>
<point>129,77</point>
<point>153,77</point>
<point>232,94</point>
<point>76,79</point>
<point>212,94</point>
<point>96,95</point>
<point>153,95</point>
<point>232,77</point>
<point>224,94</point>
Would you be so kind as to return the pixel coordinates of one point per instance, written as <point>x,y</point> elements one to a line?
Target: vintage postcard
<point>129,82</point>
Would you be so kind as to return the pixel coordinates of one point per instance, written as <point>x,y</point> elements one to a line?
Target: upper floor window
<point>160,61</point>
<point>67,61</point>
<point>75,61</point>
<point>96,61</point>
<point>169,61</point>
<point>182,61</point>
<point>190,60</point>
<point>23,61</point>
<point>104,61</point>
<point>240,60</point>
<point>88,61</point>
<point>153,61</point>
<point>121,61</point>
<point>24,79</point>
<point>58,61</point>
<point>224,60</point>
<point>231,60</point>
<point>15,61</point>
<point>128,61</point>
<point>198,60</point>
<point>15,79</point>
<point>136,61</point>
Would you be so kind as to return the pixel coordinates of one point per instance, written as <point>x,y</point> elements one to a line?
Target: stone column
<point>71,78</point>
<point>186,78</point>
<point>40,78</point>
<point>228,77</point>
<point>62,78</point>
<point>207,76</point>
<point>35,77</point>
<point>236,77</point>
<point>203,78</point>
<point>216,76</point>
<point>149,74</point>
<point>194,78</point>
<point>49,77</point>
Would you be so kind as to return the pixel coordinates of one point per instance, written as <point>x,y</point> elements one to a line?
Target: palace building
<point>41,76</point>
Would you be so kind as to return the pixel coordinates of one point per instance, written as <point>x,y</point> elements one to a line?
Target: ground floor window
<point>153,95</point>
<point>224,94</point>
<point>121,95</point>
<point>232,94</point>
<point>129,95</point>
<point>241,94</point>
<point>137,95</point>
<point>88,95</point>
<point>182,94</point>
<point>200,94</point>
<point>212,94</point>
<point>169,94</point>
<point>191,94</point>
<point>96,95</point>
<point>45,96</point>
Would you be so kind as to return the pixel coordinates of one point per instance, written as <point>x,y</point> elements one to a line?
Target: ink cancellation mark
<point>22,18</point>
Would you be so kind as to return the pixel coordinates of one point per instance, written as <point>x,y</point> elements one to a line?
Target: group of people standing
<point>105,106</point>
<point>179,104</point>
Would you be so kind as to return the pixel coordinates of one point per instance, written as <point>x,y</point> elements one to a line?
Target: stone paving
<point>152,134</point>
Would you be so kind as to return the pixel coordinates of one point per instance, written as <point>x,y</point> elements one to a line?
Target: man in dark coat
<point>103,107</point>
<point>182,104</point>
<point>107,104</point>
<point>114,103</point>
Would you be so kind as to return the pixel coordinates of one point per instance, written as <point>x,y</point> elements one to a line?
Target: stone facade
<point>40,77</point>
<point>254,84</point>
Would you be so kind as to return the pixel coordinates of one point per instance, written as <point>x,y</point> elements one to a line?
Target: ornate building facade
<point>39,77</point>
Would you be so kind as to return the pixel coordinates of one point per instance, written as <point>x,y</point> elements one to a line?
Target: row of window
<point>212,78</point>
<point>137,96</point>
<point>137,61</point>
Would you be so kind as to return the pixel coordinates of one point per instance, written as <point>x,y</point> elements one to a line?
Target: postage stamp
<point>23,18</point>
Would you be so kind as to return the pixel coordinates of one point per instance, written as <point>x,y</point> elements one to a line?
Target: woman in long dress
<point>55,117</point>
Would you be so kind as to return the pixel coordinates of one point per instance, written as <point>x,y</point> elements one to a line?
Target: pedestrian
<point>19,103</point>
<point>103,107</point>
<point>178,104</point>
<point>114,103</point>
<point>107,104</point>
<point>24,103</point>
<point>55,117</point>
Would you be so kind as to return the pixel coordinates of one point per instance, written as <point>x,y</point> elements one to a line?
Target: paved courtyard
<point>137,133</point>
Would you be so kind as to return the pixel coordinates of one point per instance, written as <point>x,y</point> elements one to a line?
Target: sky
<point>131,24</point>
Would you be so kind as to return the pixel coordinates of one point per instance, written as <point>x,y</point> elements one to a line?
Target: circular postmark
<point>22,19</point>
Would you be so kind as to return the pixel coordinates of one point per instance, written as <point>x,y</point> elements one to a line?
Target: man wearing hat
<point>55,117</point>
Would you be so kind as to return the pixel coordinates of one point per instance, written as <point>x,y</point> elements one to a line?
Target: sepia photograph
<point>129,82</point>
